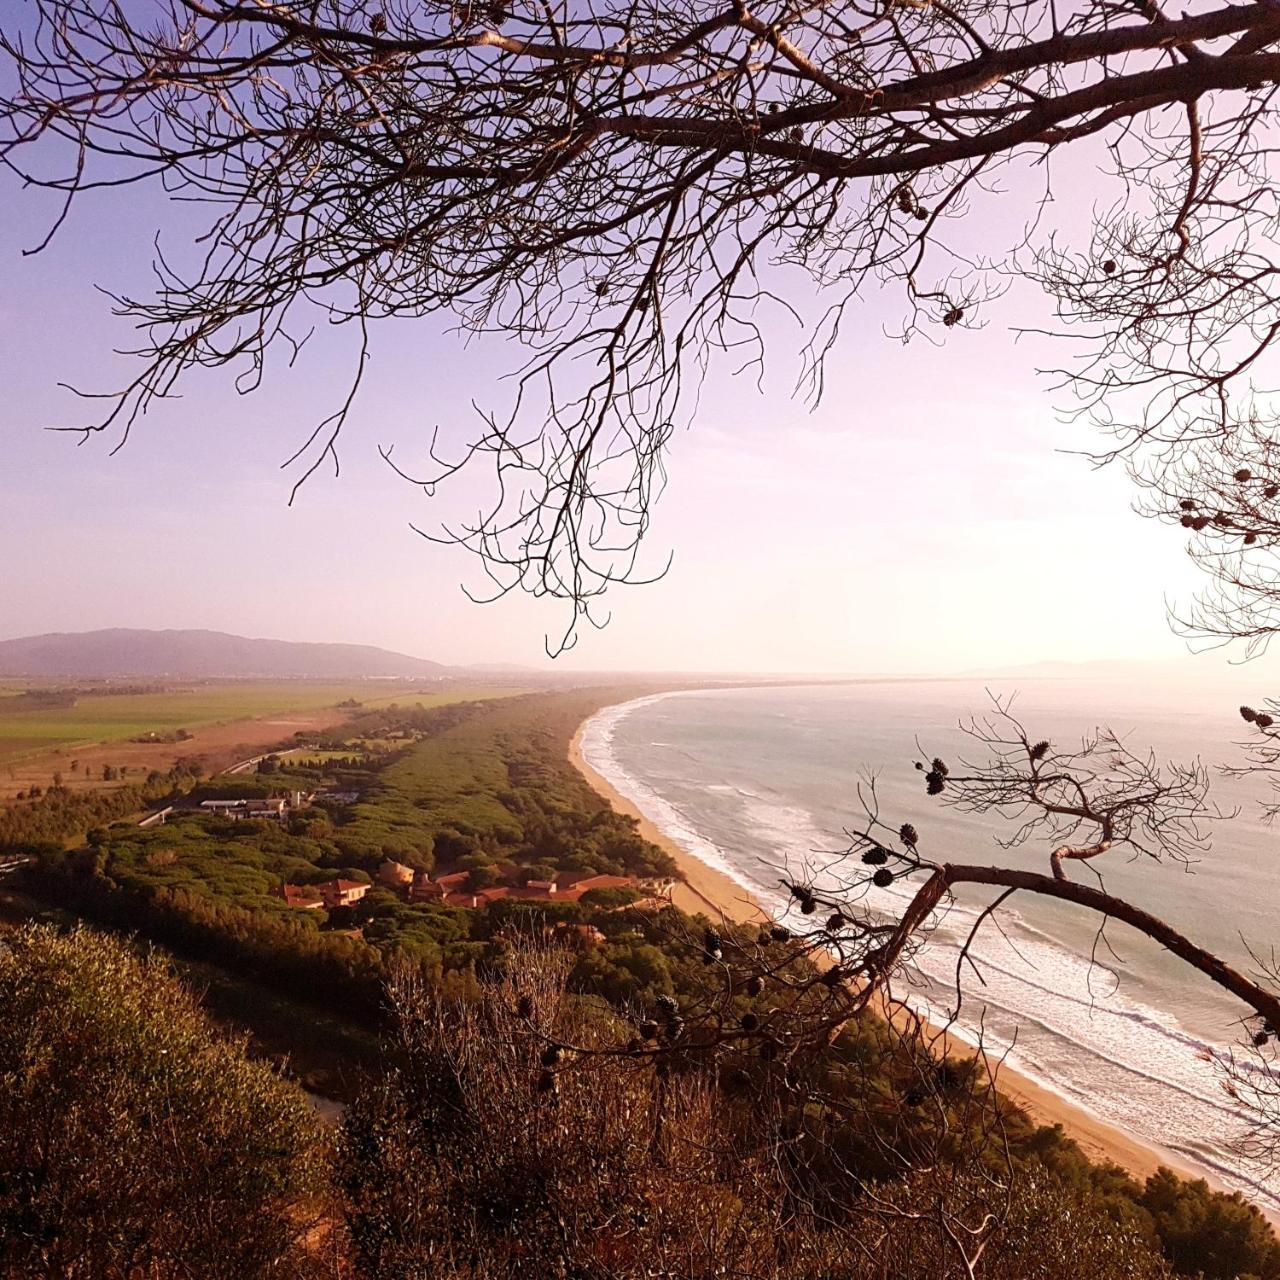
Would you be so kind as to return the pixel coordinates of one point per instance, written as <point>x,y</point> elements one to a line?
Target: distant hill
<point>198,654</point>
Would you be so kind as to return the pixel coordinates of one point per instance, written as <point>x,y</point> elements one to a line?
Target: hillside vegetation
<point>134,1140</point>
<point>852,1131</point>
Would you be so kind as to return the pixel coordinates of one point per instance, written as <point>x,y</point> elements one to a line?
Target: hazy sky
<point>922,519</point>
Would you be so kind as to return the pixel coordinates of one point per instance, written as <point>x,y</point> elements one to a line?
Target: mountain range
<point>199,655</point>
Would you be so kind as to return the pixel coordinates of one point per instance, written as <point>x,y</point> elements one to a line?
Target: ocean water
<point>761,782</point>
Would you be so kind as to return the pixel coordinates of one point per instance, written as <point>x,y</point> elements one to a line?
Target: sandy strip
<point>711,892</point>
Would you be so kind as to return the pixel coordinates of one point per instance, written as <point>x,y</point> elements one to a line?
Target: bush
<point>495,1150</point>
<point>133,1139</point>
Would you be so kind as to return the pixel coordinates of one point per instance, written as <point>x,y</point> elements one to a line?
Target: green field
<point>26,731</point>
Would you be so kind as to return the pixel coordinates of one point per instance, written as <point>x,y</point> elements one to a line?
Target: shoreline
<point>707,890</point>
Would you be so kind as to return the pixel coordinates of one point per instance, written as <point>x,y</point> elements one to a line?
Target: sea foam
<point>1053,1015</point>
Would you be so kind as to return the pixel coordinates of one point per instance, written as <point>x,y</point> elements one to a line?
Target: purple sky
<point>920,520</point>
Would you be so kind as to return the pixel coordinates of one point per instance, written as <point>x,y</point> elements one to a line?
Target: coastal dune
<point>709,891</point>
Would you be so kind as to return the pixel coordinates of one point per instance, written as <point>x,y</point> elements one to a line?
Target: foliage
<point>1218,1236</point>
<point>133,1139</point>
<point>494,1150</point>
<point>59,813</point>
<point>483,787</point>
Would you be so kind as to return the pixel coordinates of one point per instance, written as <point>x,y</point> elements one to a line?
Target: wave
<point>596,744</point>
<point>1125,1062</point>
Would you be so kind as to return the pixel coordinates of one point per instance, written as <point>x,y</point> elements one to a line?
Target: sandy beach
<point>709,891</point>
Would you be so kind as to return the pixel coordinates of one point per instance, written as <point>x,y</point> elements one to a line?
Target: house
<point>395,874</point>
<point>424,889</point>
<point>246,807</point>
<point>265,809</point>
<point>301,896</point>
<point>454,889</point>
<point>454,880</point>
<point>341,893</point>
<point>574,886</point>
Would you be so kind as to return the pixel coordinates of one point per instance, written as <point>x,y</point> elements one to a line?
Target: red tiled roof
<point>296,895</point>
<point>588,883</point>
<point>530,893</point>
<point>453,879</point>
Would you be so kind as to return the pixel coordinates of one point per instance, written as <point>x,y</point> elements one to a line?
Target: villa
<point>341,893</point>
<point>301,896</point>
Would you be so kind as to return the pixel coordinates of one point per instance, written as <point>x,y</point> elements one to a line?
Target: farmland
<point>109,717</point>
<point>222,719</point>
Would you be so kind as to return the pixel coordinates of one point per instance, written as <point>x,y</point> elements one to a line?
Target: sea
<point>764,783</point>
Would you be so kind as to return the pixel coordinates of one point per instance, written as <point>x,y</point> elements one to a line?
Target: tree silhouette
<point>615,184</point>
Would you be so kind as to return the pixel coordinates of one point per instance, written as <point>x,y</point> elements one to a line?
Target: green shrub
<point>133,1138</point>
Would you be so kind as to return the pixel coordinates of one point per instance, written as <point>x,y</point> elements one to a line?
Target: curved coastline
<point>712,887</point>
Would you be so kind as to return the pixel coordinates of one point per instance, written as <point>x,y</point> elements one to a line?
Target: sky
<point>928,517</point>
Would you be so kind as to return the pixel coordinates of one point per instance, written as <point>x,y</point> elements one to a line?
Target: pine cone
<point>882,878</point>
<point>908,835</point>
